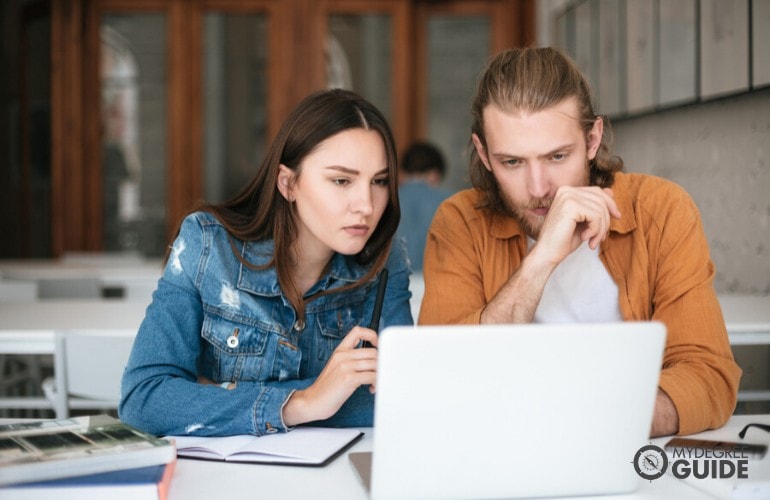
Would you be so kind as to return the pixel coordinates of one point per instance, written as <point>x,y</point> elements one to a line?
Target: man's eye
<point>512,162</point>
<point>558,156</point>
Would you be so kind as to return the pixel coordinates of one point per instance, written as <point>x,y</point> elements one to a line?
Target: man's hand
<point>577,214</point>
<point>348,368</point>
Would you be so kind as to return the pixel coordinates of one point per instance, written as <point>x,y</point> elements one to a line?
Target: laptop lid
<point>512,410</point>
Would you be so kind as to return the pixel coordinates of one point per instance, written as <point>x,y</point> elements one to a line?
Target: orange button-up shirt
<point>656,253</point>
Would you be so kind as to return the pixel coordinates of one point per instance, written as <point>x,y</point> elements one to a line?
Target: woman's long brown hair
<point>260,212</point>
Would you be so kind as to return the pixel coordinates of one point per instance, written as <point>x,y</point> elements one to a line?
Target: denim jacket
<point>214,317</point>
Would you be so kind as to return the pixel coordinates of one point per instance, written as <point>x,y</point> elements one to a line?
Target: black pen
<point>375,323</point>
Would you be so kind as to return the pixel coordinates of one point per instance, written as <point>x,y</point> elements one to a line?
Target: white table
<point>136,278</point>
<point>196,479</point>
<point>30,327</point>
<point>32,269</point>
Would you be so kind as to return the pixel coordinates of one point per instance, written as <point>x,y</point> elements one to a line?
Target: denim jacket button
<point>299,325</point>
<point>232,341</point>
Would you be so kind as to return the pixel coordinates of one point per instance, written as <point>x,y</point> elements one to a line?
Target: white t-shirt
<point>580,290</point>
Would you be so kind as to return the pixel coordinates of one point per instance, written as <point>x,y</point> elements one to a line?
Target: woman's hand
<point>348,368</point>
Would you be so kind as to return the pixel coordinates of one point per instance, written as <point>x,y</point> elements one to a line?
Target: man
<point>553,232</point>
<point>421,170</point>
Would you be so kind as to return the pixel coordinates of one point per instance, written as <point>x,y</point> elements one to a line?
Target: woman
<point>255,325</point>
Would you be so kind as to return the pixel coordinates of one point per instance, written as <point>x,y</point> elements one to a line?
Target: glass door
<point>133,61</point>
<point>159,104</point>
<point>365,46</point>
<point>454,42</point>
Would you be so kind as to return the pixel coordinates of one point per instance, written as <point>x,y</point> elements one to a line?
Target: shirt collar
<point>504,227</point>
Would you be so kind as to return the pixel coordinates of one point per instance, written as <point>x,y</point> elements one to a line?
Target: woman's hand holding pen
<point>348,368</point>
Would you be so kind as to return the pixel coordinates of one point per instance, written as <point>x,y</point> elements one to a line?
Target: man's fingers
<point>611,205</point>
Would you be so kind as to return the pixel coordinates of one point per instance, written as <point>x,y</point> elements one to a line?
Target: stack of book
<point>83,458</point>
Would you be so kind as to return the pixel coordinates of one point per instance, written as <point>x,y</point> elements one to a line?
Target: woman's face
<point>340,194</point>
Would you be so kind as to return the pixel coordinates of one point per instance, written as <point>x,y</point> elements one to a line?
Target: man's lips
<point>542,211</point>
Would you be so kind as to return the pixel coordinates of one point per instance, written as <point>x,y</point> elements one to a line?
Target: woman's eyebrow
<point>345,170</point>
<point>353,171</point>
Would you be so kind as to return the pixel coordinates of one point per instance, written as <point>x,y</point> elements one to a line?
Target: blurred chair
<point>104,258</point>
<point>140,289</point>
<point>69,288</point>
<point>16,290</point>
<point>20,373</point>
<point>88,367</point>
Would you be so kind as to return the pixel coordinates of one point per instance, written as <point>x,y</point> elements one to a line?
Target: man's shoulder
<point>651,189</point>
<point>470,197</point>
<point>466,213</point>
<point>655,198</point>
<point>468,203</point>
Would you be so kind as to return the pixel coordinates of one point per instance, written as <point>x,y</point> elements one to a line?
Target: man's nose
<point>538,183</point>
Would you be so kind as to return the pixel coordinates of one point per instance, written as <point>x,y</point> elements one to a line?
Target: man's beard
<point>522,213</point>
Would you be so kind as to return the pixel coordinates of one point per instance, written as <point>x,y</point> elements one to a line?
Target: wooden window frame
<point>511,25</point>
<point>295,67</point>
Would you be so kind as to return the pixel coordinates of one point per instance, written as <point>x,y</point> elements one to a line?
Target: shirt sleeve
<point>160,389</point>
<point>454,289</point>
<point>699,372</point>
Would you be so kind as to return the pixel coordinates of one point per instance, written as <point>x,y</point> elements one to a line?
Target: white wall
<point>719,152</point>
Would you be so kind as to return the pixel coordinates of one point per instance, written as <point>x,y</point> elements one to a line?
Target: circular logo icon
<point>650,462</point>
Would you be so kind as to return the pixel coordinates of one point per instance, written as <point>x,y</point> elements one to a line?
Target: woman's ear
<point>285,183</point>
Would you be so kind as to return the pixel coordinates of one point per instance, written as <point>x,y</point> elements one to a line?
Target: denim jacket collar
<point>344,270</point>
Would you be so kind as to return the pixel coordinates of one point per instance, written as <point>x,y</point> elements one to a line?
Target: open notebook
<point>314,446</point>
<point>511,410</point>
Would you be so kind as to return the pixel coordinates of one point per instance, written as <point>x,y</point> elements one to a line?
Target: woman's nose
<point>362,201</point>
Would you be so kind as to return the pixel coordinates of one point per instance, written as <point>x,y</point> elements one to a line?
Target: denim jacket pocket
<point>238,347</point>
<point>334,324</point>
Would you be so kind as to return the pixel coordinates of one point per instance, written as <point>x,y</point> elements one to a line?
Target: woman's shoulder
<point>198,220</point>
<point>201,232</point>
<point>397,259</point>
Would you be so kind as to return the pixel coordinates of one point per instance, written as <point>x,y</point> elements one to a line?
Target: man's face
<point>532,154</point>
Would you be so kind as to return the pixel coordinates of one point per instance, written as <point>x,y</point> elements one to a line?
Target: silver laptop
<point>505,411</point>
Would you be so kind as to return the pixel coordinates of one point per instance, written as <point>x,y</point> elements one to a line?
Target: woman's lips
<point>357,230</point>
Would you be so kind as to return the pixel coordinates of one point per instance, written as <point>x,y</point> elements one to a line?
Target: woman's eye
<point>383,181</point>
<point>341,182</point>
